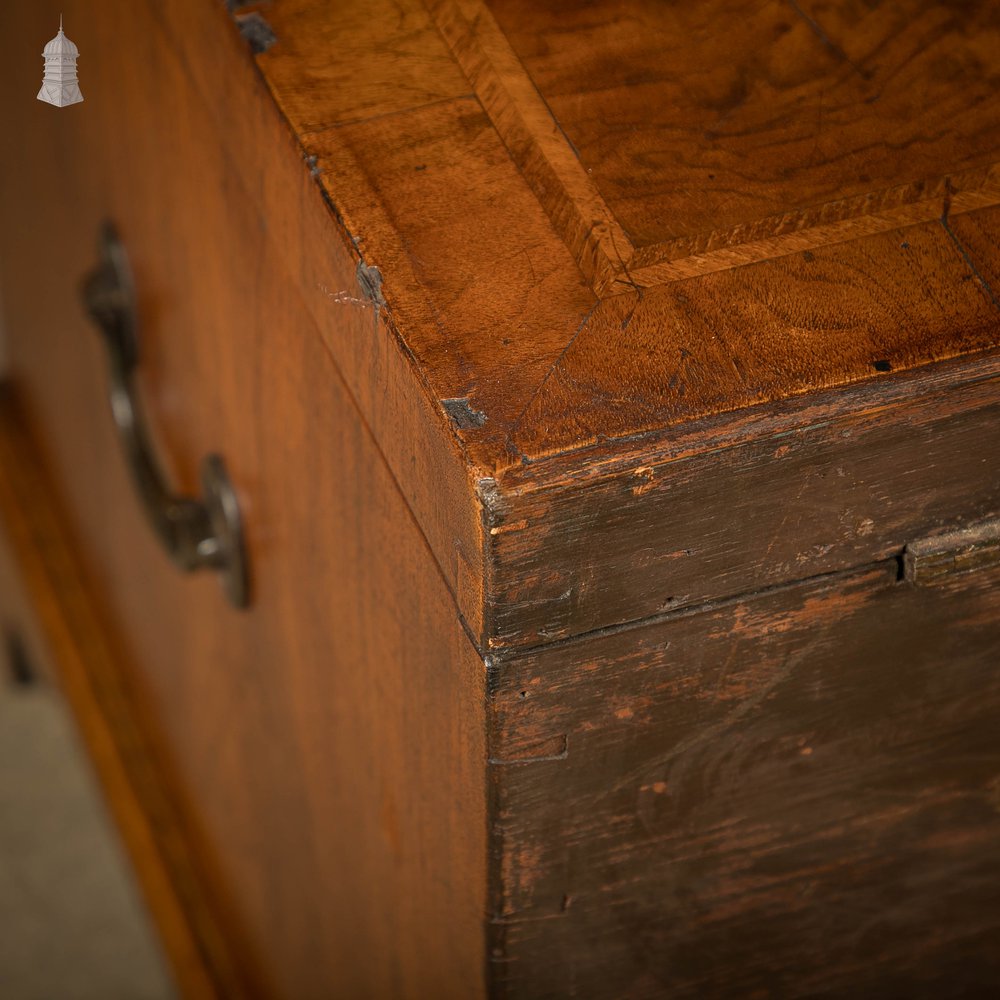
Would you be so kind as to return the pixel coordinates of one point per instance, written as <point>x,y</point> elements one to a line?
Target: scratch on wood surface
<point>828,43</point>
<point>555,364</point>
<point>343,296</point>
<point>964,254</point>
<point>552,748</point>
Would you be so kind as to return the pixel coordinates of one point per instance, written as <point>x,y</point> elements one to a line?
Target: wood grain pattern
<point>793,794</point>
<point>387,59</point>
<point>523,119</point>
<point>494,312</point>
<point>45,599</point>
<point>663,356</point>
<point>376,276</point>
<point>418,210</point>
<point>746,507</point>
<point>734,124</point>
<point>308,735</point>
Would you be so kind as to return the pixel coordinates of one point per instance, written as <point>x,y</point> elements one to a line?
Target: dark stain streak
<point>370,283</point>
<point>639,290</point>
<point>624,266</point>
<point>819,132</point>
<point>964,253</point>
<point>828,43</point>
<point>675,379</point>
<point>555,121</point>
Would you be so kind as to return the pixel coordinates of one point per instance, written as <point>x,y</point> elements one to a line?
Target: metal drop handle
<point>197,534</point>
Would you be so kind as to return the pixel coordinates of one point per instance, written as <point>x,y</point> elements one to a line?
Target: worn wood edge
<point>423,428</point>
<point>611,457</point>
<point>535,500</point>
<point>934,560</point>
<point>193,929</point>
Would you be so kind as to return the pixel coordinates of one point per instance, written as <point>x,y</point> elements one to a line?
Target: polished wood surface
<point>828,241</point>
<point>310,734</point>
<point>716,123</point>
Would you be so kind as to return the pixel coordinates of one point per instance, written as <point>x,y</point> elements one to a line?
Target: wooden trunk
<point>611,395</point>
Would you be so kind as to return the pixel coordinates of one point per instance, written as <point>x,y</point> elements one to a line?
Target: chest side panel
<point>309,732</point>
<point>792,794</point>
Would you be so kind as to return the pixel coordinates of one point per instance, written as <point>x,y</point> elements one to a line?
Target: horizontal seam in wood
<point>890,564</point>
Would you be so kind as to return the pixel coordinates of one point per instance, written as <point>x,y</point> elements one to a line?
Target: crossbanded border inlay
<point>586,223</point>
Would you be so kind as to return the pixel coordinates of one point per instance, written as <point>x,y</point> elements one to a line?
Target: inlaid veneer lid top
<point>597,221</point>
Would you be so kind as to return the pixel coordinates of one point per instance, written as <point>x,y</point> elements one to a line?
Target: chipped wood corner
<point>935,560</point>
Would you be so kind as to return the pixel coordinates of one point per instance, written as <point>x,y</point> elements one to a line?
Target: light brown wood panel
<point>497,316</point>
<point>504,295</point>
<point>399,401</point>
<point>44,602</point>
<point>750,334</point>
<point>387,58</point>
<point>311,733</point>
<point>712,123</point>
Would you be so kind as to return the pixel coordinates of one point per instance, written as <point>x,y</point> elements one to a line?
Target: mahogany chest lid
<point>601,220</point>
<point>606,234</point>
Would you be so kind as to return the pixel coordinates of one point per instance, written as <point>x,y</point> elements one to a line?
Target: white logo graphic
<point>59,86</point>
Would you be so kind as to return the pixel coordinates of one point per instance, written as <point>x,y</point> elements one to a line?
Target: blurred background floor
<point>72,925</point>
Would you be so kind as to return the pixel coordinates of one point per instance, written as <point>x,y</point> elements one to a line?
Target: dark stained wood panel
<point>793,794</point>
<point>698,118</point>
<point>725,509</point>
